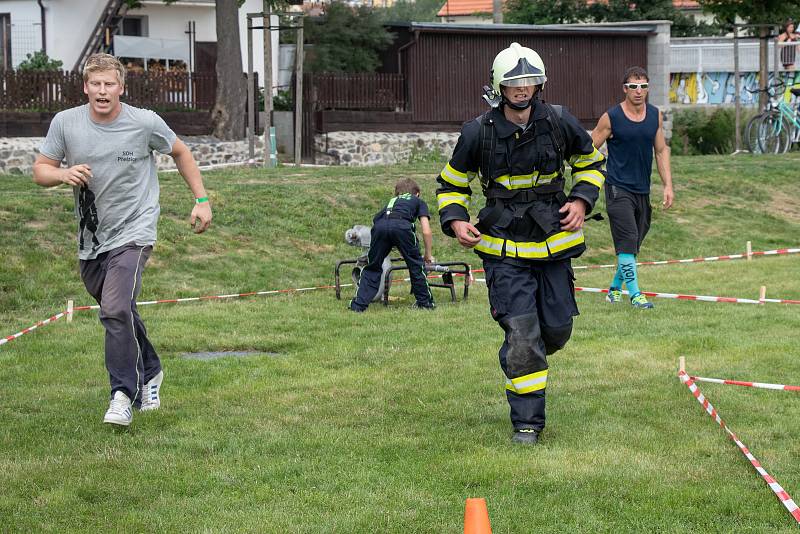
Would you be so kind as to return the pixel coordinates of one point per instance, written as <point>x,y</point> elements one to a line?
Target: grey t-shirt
<point>120,204</point>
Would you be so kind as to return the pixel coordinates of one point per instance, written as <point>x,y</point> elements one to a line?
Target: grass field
<point>387,421</point>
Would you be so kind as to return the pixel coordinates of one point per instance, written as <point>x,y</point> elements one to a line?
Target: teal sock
<point>616,283</point>
<point>627,266</point>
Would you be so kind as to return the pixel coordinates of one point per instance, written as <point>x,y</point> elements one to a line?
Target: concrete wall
<point>69,23</point>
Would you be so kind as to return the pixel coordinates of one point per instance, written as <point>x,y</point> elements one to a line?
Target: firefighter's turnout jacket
<point>521,174</point>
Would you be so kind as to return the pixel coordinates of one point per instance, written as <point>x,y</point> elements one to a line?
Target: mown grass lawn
<point>387,421</point>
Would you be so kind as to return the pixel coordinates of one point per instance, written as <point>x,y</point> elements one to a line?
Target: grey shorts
<point>629,216</point>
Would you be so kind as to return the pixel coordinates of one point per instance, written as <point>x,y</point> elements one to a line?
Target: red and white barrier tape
<point>775,252</point>
<point>698,260</point>
<point>162,301</point>
<point>776,488</point>
<point>704,298</point>
<point>761,385</point>
<point>12,337</point>
<point>473,279</point>
<point>179,300</point>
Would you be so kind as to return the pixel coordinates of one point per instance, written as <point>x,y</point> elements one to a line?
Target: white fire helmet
<point>517,66</point>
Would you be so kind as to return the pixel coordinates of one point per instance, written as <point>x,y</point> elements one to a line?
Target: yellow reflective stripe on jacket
<point>490,245</point>
<point>445,199</point>
<point>564,240</point>
<point>528,383</point>
<point>591,176</point>
<point>526,249</point>
<point>547,178</point>
<point>524,181</point>
<point>457,178</point>
<point>516,182</point>
<point>530,249</point>
<point>584,160</point>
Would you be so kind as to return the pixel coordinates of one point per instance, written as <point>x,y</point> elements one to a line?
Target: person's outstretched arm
<point>191,174</point>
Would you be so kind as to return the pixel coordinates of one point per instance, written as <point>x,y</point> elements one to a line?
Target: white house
<point>183,31</point>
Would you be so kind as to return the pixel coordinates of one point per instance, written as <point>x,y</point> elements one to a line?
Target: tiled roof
<point>464,7</point>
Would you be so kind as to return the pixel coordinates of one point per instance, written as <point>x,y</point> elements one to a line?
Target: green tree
<point>620,10</point>
<point>571,11</point>
<point>545,11</point>
<point>345,39</point>
<point>411,11</point>
<point>39,61</point>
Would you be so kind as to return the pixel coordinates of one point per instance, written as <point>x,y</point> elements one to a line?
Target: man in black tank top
<point>633,131</point>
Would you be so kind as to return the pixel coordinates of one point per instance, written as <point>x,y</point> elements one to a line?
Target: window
<point>134,26</point>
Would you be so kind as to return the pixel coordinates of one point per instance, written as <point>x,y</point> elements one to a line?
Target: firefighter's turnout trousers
<point>534,304</point>
<point>388,232</point>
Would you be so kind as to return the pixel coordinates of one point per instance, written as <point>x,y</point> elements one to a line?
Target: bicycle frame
<point>793,116</point>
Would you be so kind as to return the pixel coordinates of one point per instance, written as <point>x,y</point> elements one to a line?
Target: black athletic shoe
<point>528,436</point>
<point>418,306</point>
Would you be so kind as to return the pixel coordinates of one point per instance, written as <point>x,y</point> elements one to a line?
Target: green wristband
<point>201,200</point>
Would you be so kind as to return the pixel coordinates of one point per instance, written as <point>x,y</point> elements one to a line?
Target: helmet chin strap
<point>518,107</point>
<point>525,104</point>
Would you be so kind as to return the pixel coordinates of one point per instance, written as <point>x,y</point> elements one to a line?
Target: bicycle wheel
<point>751,134</point>
<point>773,134</point>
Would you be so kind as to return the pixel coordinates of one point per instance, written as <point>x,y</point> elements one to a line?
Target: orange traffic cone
<point>476,517</point>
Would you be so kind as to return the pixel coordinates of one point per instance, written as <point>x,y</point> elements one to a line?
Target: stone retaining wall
<point>334,148</point>
<point>381,148</point>
<point>17,154</point>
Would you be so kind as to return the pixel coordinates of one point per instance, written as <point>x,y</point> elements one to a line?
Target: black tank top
<point>630,149</point>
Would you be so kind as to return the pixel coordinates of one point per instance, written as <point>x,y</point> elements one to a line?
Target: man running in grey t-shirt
<point>109,150</point>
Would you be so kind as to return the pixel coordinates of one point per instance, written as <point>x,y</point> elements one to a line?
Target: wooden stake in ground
<point>762,294</point>
<point>682,364</point>
<point>70,308</point>
<point>749,251</point>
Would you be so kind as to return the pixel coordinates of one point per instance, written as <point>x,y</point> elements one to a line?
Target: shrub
<point>706,131</point>
<point>283,101</point>
<point>39,61</point>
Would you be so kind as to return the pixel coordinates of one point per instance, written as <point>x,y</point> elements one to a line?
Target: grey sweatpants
<point>114,279</point>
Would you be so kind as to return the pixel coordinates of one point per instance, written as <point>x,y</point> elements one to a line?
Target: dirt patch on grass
<point>783,205</point>
<point>310,246</point>
<point>36,225</point>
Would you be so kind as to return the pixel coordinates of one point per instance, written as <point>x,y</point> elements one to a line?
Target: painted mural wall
<point>719,87</point>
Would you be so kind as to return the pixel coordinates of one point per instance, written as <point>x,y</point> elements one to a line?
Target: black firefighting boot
<point>527,436</point>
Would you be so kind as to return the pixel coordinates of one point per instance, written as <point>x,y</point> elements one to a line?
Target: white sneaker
<point>150,398</point>
<point>119,411</point>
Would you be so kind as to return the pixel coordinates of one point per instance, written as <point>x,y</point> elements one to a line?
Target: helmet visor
<point>522,82</point>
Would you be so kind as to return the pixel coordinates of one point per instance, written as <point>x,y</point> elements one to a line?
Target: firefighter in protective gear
<point>530,228</point>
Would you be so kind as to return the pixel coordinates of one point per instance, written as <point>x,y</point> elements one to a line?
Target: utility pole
<point>251,111</point>
<point>299,52</point>
<point>737,145</point>
<point>267,84</point>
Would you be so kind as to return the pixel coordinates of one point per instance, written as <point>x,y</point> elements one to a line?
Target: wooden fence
<point>362,91</point>
<point>57,90</point>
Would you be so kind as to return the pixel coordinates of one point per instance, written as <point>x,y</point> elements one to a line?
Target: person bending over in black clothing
<point>393,226</point>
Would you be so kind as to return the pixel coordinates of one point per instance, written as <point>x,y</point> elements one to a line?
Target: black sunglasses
<point>635,86</point>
